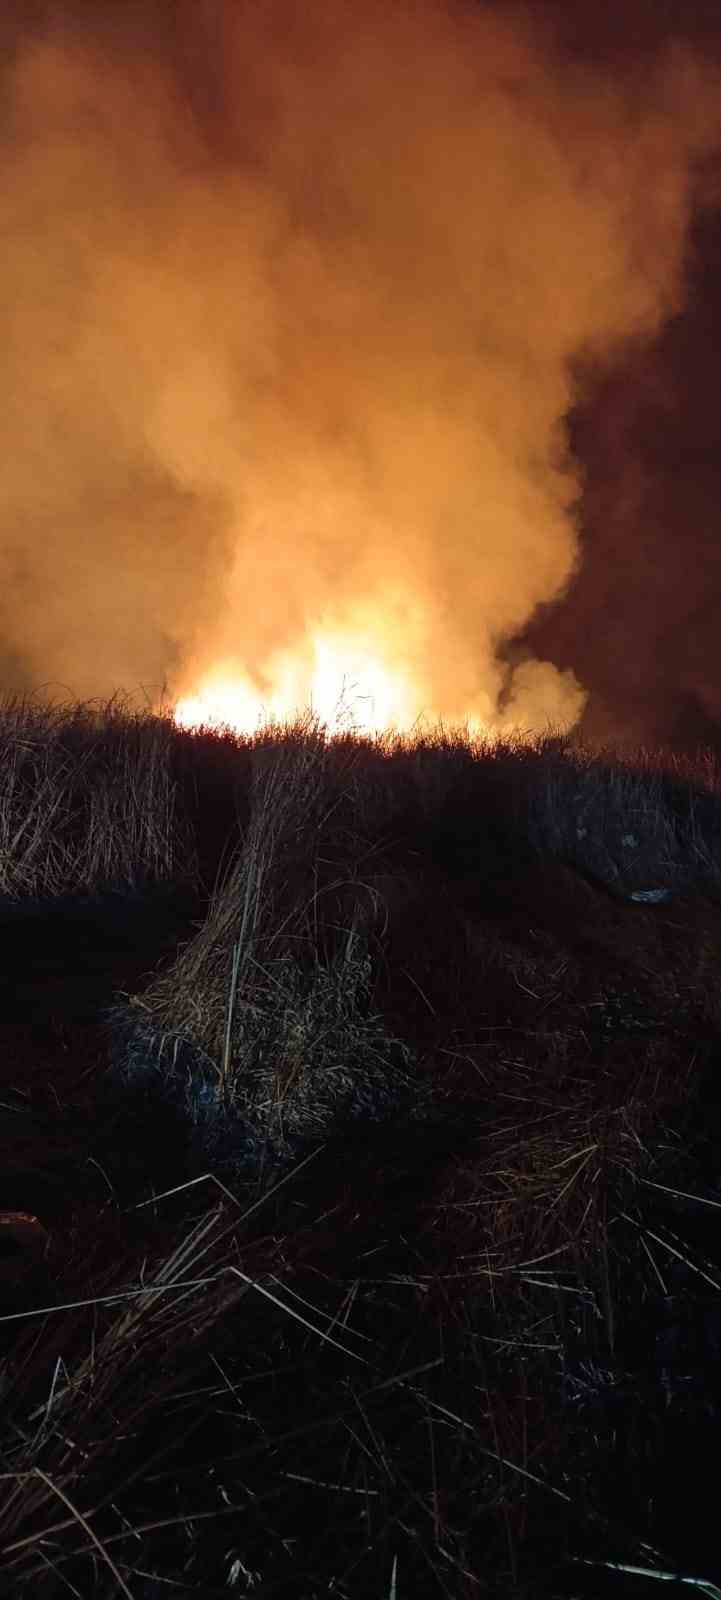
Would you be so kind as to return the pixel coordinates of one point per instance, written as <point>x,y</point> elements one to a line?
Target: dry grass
<point>110,794</point>
<point>425,1360</point>
<point>73,1455</point>
<point>264,1023</point>
<point>87,799</point>
<point>635,822</point>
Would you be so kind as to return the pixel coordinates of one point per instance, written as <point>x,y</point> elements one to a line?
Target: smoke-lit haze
<point>291,300</point>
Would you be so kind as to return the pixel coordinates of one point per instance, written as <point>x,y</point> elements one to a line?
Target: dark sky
<point>641,623</point>
<point>243,308</point>
<point>597,29</point>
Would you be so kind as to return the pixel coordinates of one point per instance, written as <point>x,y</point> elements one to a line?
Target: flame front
<point>341,679</point>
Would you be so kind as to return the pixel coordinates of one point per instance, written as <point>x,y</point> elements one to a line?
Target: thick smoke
<point>291,300</point>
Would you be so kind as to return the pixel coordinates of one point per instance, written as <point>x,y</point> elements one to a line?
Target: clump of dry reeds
<point>88,799</point>
<point>263,1026</point>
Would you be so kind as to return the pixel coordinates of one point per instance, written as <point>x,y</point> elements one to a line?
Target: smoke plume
<point>292,296</point>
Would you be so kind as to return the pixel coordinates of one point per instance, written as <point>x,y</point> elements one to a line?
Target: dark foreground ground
<point>456,1358</point>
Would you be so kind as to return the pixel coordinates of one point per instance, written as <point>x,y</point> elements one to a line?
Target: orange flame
<point>344,681</point>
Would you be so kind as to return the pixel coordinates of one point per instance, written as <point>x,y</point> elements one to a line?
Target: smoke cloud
<point>291,300</point>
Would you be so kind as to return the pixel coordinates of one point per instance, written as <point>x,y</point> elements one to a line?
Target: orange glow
<point>343,681</point>
<point>289,365</point>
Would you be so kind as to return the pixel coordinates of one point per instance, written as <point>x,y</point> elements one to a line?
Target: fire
<point>378,669</point>
<point>341,679</point>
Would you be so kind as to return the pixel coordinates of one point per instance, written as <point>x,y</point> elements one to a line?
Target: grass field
<point>361,1190</point>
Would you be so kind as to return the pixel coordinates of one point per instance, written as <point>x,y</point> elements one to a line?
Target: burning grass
<point>456,1106</point>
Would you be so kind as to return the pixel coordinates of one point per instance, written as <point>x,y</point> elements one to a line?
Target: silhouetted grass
<point>113,795</point>
<point>87,799</point>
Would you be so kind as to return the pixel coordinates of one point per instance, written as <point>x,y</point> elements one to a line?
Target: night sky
<point>641,622</point>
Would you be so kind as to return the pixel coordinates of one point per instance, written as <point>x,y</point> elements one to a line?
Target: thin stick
<point>231,1008</point>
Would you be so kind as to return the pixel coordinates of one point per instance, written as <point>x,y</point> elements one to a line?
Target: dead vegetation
<point>386,1260</point>
<point>87,799</point>
<point>264,1024</point>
